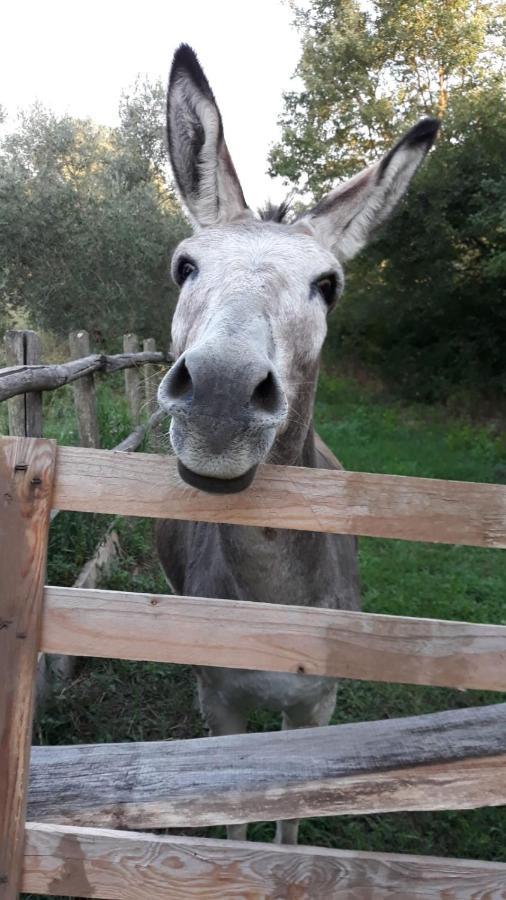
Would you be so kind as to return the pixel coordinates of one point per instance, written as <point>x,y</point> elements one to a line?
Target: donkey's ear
<point>346,218</point>
<point>201,163</point>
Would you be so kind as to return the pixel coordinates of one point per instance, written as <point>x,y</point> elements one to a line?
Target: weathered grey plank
<point>271,637</point>
<point>421,509</point>
<point>449,760</point>
<point>90,862</point>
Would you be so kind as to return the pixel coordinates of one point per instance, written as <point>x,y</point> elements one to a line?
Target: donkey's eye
<point>184,269</point>
<point>327,287</point>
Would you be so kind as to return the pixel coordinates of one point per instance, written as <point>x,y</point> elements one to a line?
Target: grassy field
<point>115,701</point>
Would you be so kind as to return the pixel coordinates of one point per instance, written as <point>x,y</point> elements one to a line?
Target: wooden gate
<point>81,799</point>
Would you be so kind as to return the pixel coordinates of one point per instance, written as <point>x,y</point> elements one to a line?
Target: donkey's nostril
<point>179,382</point>
<point>267,395</point>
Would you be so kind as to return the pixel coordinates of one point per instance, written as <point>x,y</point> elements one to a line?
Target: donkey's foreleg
<point>303,717</point>
<point>220,720</point>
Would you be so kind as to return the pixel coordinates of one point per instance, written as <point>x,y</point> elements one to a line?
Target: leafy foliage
<point>86,221</point>
<point>425,303</point>
<point>369,69</point>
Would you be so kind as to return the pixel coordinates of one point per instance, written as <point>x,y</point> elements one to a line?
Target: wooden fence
<point>81,797</point>
<point>22,384</point>
<point>451,760</point>
<point>26,377</point>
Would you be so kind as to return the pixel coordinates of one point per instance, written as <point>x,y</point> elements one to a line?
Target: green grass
<point>114,701</point>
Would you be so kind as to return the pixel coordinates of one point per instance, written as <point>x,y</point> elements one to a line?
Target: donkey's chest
<point>267,565</point>
<point>276,691</point>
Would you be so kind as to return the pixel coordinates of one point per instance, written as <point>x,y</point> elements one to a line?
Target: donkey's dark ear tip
<point>424,131</point>
<point>184,57</point>
<point>185,62</point>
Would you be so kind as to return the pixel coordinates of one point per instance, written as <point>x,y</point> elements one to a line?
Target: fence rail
<point>274,638</point>
<point>340,502</point>
<point>447,760</point>
<point>22,379</point>
<point>61,860</point>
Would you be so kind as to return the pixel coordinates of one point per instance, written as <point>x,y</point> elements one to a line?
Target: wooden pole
<point>151,382</point>
<point>15,356</point>
<point>33,401</point>
<point>25,411</point>
<point>84,393</point>
<point>132,378</point>
<point>26,482</point>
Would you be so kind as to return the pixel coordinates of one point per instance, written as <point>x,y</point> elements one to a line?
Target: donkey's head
<point>251,318</point>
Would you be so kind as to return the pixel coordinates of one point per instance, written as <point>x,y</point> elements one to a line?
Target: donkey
<point>247,335</point>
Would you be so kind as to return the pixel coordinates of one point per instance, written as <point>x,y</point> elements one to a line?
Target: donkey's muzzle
<point>246,392</point>
<point>226,411</point>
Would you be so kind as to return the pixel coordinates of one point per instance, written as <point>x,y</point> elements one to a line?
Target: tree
<point>425,303</point>
<point>87,222</point>
<point>368,70</point>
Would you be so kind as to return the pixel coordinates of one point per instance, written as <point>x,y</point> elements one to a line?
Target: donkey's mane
<point>273,212</point>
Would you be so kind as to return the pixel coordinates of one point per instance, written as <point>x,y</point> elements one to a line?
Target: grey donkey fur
<point>247,335</point>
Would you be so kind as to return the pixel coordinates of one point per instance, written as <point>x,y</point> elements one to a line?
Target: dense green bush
<point>426,303</point>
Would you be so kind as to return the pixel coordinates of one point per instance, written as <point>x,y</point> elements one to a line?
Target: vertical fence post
<point>150,392</point>
<point>85,402</point>
<point>15,356</point>
<point>26,482</point>
<point>132,378</point>
<point>150,385</point>
<point>22,348</point>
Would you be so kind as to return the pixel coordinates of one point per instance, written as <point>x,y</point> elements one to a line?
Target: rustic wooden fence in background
<point>26,377</point>
<point>79,797</point>
<point>22,384</point>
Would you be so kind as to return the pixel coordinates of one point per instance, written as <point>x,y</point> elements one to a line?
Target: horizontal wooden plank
<point>449,760</point>
<point>91,862</point>
<point>274,638</point>
<point>420,509</point>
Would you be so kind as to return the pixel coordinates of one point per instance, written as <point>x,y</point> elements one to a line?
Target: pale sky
<point>77,57</point>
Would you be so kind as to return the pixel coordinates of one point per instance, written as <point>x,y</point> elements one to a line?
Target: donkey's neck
<point>280,566</point>
<point>296,445</point>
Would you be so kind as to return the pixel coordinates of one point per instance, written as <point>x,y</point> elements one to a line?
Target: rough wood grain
<point>421,509</point>
<point>26,477</point>
<point>85,401</point>
<point>25,411</point>
<point>91,862</point>
<point>20,379</point>
<point>132,379</point>
<point>275,638</point>
<point>449,760</point>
